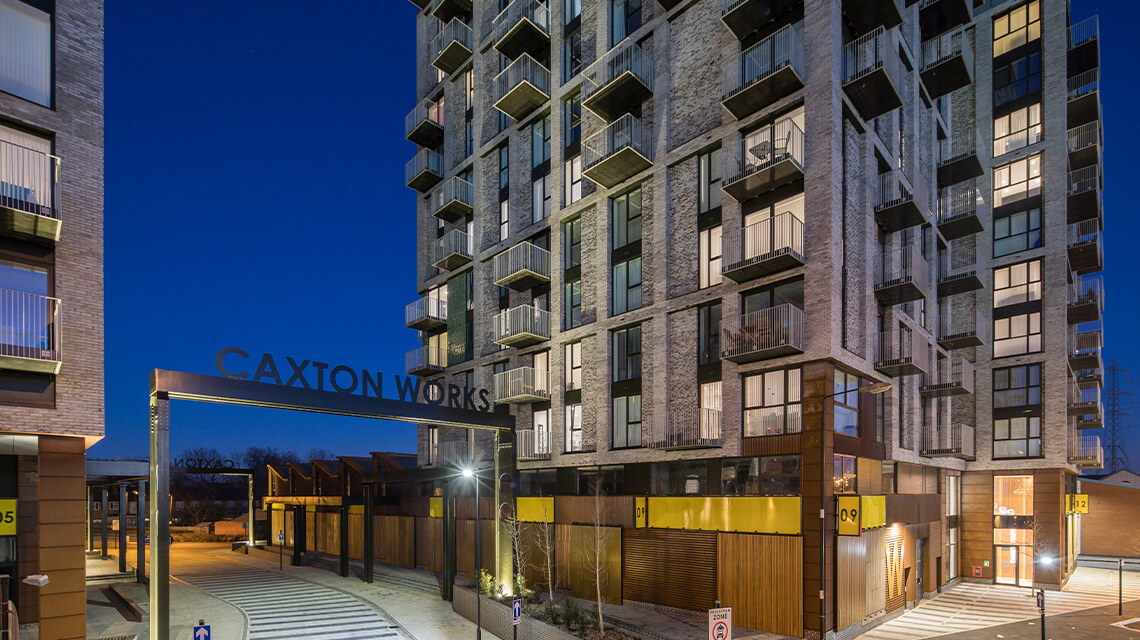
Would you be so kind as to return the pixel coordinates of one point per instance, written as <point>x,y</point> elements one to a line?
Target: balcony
<point>767,333</point>
<point>1083,401</point>
<point>424,171</point>
<point>426,314</point>
<point>896,207</point>
<point>947,63</point>
<point>522,28</point>
<point>1084,97</point>
<point>422,4</point>
<point>619,82</point>
<point>522,87</point>
<point>523,266</point>
<point>863,16</point>
<point>1084,350</point>
<point>424,125</point>
<point>29,332</point>
<point>455,249</point>
<point>1086,300</point>
<point>949,441</point>
<point>959,159</point>
<point>692,428</point>
<point>1084,144</point>
<point>453,201</point>
<point>902,352</point>
<point>522,385</point>
<point>743,17</point>
<point>764,161</point>
<point>952,376</point>
<point>940,16</point>
<point>452,46</point>
<point>1084,247</point>
<point>769,246</point>
<point>765,72</point>
<point>960,330</point>
<point>1090,414</point>
<point>448,10</point>
<point>903,276</point>
<point>1084,45</point>
<point>426,360</point>
<point>532,444</point>
<point>451,453</point>
<point>1089,377</point>
<point>957,271</point>
<point>871,73</point>
<point>521,326</point>
<point>960,211</point>
<point>1084,194</point>
<point>29,193</point>
<point>618,152</point>
<point>1086,452</point>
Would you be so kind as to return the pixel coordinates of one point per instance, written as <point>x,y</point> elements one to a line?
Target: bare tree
<point>514,530</point>
<point>546,546</point>
<point>596,558</point>
<point>319,454</point>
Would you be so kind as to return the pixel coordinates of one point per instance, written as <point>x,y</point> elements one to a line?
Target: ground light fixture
<point>37,580</point>
<point>468,472</point>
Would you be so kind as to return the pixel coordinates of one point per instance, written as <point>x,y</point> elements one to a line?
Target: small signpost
<point>201,631</point>
<point>280,550</point>
<point>516,612</point>
<point>720,624</point>
<point>1041,607</point>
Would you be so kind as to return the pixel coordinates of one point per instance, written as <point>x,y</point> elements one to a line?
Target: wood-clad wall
<point>562,555</point>
<point>976,532</point>
<point>893,560</point>
<point>862,577</point>
<point>1049,516</point>
<point>394,540</point>
<point>465,546</point>
<point>62,521</point>
<point>674,568</point>
<point>429,544</point>
<point>356,536</point>
<point>760,577</point>
<point>1109,528</point>
<point>584,568</point>
<point>616,510</point>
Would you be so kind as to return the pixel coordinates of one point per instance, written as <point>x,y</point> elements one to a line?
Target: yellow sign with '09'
<point>8,517</point>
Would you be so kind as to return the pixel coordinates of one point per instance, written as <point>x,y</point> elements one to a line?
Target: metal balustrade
<point>455,249</point>
<point>764,160</point>
<point>618,82</point>
<point>521,265</point>
<point>1085,299</point>
<point>29,180</point>
<point>950,440</point>
<point>1086,452</point>
<point>523,27</point>
<point>1084,83</point>
<point>947,63</point>
<point>1084,31</point>
<point>957,270</point>
<point>960,210</point>
<point>764,72</point>
<point>424,170</point>
<point>766,333</point>
<point>1084,246</point>
<point>454,200</point>
<point>424,123</point>
<point>452,46</point>
<point>521,325</point>
<point>30,331</point>
<point>959,330</point>
<point>951,376</point>
<point>522,87</point>
<point>453,453</point>
<point>871,73</point>
<point>426,312</point>
<point>1085,136</point>
<point>896,207</point>
<point>1084,179</point>
<point>617,152</point>
<point>766,246</point>
<point>532,444</point>
<point>690,428</point>
<point>522,384</point>
<point>903,275</point>
<point>426,360</point>
<point>941,48</point>
<point>902,351</point>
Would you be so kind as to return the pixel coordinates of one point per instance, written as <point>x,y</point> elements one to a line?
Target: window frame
<point>1005,175</point>
<point>710,256</point>
<point>790,415</point>
<point>627,361</point>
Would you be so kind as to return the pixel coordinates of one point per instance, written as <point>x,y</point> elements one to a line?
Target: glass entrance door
<point>1006,565</point>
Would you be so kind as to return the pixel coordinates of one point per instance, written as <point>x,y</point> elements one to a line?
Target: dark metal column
<point>298,534</point>
<point>344,538</point>
<point>252,521</point>
<point>505,469</point>
<point>122,527</point>
<point>140,535</point>
<point>160,516</point>
<point>448,541</point>
<point>103,518</point>
<point>369,525</point>
<point>90,510</point>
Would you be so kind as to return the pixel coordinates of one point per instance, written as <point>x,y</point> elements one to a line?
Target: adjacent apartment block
<point>51,297</point>
<point>806,289</point>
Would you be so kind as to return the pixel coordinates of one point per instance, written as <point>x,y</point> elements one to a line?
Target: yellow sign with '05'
<point>8,517</point>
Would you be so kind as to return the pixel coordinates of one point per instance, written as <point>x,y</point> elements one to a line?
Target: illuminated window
<point>845,474</point>
<point>709,256</point>
<point>1017,180</point>
<point>1018,129</point>
<point>772,403</point>
<point>1017,27</point>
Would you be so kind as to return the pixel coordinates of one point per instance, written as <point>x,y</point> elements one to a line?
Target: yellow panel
<point>745,514</point>
<point>8,517</point>
<point>534,509</point>
<point>356,508</point>
<point>311,509</point>
<point>847,515</point>
<point>639,515</point>
<point>435,507</point>
<point>874,512</point>
<point>1080,503</point>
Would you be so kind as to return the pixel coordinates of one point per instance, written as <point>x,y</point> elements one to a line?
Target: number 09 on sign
<point>720,624</point>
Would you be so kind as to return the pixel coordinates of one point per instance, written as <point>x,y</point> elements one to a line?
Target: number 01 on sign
<point>720,624</point>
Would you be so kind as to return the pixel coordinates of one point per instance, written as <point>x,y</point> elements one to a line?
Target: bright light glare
<point>1047,560</point>
<point>467,473</point>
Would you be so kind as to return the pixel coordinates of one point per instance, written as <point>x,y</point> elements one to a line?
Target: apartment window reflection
<point>845,474</point>
<point>708,333</point>
<point>846,409</point>
<point>772,403</point>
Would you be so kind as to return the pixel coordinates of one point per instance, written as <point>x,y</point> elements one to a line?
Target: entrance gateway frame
<point>176,385</point>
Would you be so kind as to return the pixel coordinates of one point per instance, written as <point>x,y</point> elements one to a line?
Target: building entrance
<point>1014,565</point>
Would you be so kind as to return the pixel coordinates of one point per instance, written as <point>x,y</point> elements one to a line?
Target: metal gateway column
<point>103,518</point>
<point>140,535</point>
<point>298,534</point>
<point>344,537</point>
<point>122,527</point>
<point>505,463</point>
<point>252,520</point>
<point>90,520</point>
<point>160,516</point>
<point>369,527</point>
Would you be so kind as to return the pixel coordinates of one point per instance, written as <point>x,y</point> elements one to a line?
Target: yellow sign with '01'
<point>8,517</point>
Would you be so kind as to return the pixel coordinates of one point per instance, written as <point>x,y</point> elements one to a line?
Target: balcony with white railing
<point>764,247</point>
<point>1085,405</point>
<point>958,270</point>
<point>29,192</point>
<point>948,441</point>
<point>428,313</point>
<point>1084,45</point>
<point>426,360</point>
<point>454,200</point>
<point>766,333</point>
<point>452,46</point>
<point>1086,452</point>
<point>764,160</point>
<point>960,328</point>
<point>691,428</point>
<point>744,17</point>
<point>764,73</point>
<point>523,27</point>
<point>903,275</point>
<point>960,157</point>
<point>454,250</point>
<point>424,125</point>
<point>448,10</point>
<point>450,453</point>
<point>1085,299</point>
<point>872,73</point>
<point>522,385</point>
<point>523,266</point>
<point>29,332</point>
<point>522,87</point>
<point>532,444</point>
<point>1084,247</point>
<point>424,170</point>
<point>902,352</point>
<point>1084,202</point>
<point>862,16</point>
<point>1084,97</point>
<point>947,63</point>
<point>953,376</point>
<point>618,152</point>
<point>896,207</point>
<point>1085,349</point>
<point>961,210</point>
<point>940,16</point>
<point>619,82</point>
<point>521,326</point>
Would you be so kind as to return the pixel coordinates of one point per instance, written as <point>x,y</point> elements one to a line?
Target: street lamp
<point>468,472</point>
<point>874,388</point>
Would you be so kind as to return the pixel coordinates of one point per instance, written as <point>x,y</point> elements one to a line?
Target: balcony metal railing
<point>533,10</point>
<point>782,49</point>
<point>890,189</point>
<point>899,347</point>
<point>959,201</point>
<point>869,53</point>
<point>425,308</point>
<point>522,382</point>
<point>627,132</point>
<point>769,238</point>
<point>451,453</point>
<point>779,328</point>
<point>454,190</point>
<point>1086,452</point>
<point>29,180</point>
<point>955,148</point>
<point>954,373</point>
<point>525,69</point>
<point>1084,179</point>
<point>533,444</point>
<point>753,154</point>
<point>522,260</point>
<point>690,428</point>
<point>958,329</point>
<point>944,47</point>
<point>1084,232</point>
<point>454,32</point>
<point>425,160</point>
<point>455,246</point>
<point>426,358</point>
<point>427,110</point>
<point>1084,83</point>
<point>1084,344</point>
<point>903,265</point>
<point>523,320</point>
<point>624,58</point>
<point>1081,398</point>
<point>955,440</point>
<point>1084,31</point>
<point>1087,290</point>
<point>1084,136</point>
<point>29,326</point>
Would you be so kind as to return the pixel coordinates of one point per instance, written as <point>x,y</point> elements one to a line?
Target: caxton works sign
<point>236,364</point>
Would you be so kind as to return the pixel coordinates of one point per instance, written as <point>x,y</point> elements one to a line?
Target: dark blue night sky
<point>255,198</point>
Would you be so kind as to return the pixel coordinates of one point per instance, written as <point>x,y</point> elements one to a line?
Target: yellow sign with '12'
<point>8,517</point>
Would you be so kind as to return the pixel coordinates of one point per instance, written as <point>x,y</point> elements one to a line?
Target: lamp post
<point>468,472</point>
<point>874,388</point>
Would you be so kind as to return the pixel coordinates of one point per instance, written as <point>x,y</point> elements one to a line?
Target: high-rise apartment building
<point>689,241</point>
<point>51,298</point>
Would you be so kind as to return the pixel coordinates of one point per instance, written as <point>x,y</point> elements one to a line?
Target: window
<point>772,403</point>
<point>791,291</point>
<point>573,9</point>
<point>573,180</point>
<point>572,55</point>
<point>626,218</point>
<point>573,304</point>
<point>708,333</point>
<point>625,18</point>
<point>541,200</point>
<point>573,362</point>
<point>769,476</point>
<point>540,142</point>
<point>708,180</point>
<point>1017,412</point>
<point>574,427</point>
<point>433,445</point>
<point>709,256</point>
<point>1017,27</point>
<point>469,89</point>
<point>23,279</point>
<point>846,419</point>
<point>1017,180</point>
<point>627,353</point>
<point>1018,231</point>
<point>1017,283</point>
<point>504,220</point>
<point>469,139</point>
<point>572,232</point>
<point>542,431</point>
<point>572,116</point>
<point>1018,79</point>
<point>504,167</point>
<point>627,285</point>
<point>1016,387</point>
<point>1018,129</point>
<point>846,479</point>
<point>25,52</point>
<point>1017,334</point>
<point>627,421</point>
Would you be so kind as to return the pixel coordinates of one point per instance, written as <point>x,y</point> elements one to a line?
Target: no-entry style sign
<point>720,624</point>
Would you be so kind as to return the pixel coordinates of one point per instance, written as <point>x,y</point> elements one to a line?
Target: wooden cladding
<point>761,578</point>
<point>894,544</point>
<point>670,568</point>
<point>770,445</point>
<point>465,546</point>
<point>617,511</point>
<point>596,562</point>
<point>429,544</point>
<point>862,577</point>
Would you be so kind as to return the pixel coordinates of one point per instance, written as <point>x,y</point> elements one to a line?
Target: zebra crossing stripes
<point>283,608</point>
